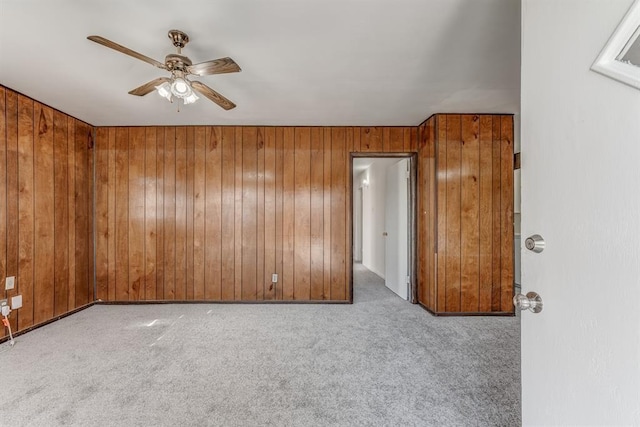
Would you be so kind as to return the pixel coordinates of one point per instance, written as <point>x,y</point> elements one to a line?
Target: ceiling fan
<point>180,66</point>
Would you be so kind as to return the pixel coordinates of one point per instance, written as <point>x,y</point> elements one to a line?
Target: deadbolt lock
<point>535,243</point>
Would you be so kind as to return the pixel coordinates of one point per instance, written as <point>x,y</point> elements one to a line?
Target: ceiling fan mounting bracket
<point>179,38</point>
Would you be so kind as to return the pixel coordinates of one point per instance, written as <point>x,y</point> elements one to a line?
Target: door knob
<point>532,301</point>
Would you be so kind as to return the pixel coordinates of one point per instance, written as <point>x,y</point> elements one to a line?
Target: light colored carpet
<point>380,362</point>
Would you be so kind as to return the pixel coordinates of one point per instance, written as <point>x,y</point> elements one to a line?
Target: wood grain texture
<point>270,215</point>
<point>259,201</point>
<point>44,199</point>
<point>11,126</point>
<point>3,193</point>
<point>506,209</point>
<point>189,271</point>
<point>227,250</point>
<point>39,181</point>
<point>316,183</point>
<point>302,217</point>
<point>213,213</point>
<point>470,215</point>
<point>136,190</point>
<point>150,212</point>
<point>473,202</point>
<point>181,202</point>
<point>102,214</point>
<point>249,220</point>
<point>26,235</point>
<point>288,213</point>
<point>199,209</point>
<point>485,220</point>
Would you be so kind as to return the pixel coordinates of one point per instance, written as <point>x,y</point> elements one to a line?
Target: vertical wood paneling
<point>122,214</point>
<point>495,191</point>
<point>426,214</point>
<point>44,174</point>
<point>170,213</point>
<point>279,181</point>
<point>270,216</point>
<point>160,194</point>
<point>339,227</point>
<point>441,201</point>
<point>102,213</point>
<point>327,194</point>
<point>288,212</point>
<point>470,214</point>
<point>453,188</point>
<point>371,139</point>
<point>150,213</point>
<point>228,214</point>
<point>506,209</point>
<point>213,213</point>
<point>111,212</point>
<point>83,217</point>
<point>474,205</point>
<point>11,111</point>
<point>238,215</point>
<point>486,220</point>
<point>261,281</point>
<point>190,213</point>
<point>249,224</point>
<point>393,139</point>
<point>199,206</point>
<point>136,185</point>
<point>236,204</point>
<point>302,217</point>
<point>44,198</point>
<point>71,179</point>
<point>181,214</point>
<point>3,193</point>
<point>317,214</point>
<point>25,210</point>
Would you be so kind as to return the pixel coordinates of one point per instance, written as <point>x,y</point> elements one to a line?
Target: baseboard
<point>464,314</point>
<point>46,322</point>
<point>145,302</point>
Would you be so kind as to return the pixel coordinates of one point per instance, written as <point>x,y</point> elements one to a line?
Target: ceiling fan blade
<point>215,66</point>
<point>149,86</point>
<point>213,95</point>
<point>126,51</point>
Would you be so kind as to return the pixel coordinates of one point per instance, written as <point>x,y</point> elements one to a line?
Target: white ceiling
<point>304,62</point>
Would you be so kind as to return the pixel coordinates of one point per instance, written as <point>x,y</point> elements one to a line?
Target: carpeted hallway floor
<point>379,362</point>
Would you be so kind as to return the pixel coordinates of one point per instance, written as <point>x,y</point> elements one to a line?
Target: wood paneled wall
<point>45,209</point>
<point>209,213</point>
<point>466,171</point>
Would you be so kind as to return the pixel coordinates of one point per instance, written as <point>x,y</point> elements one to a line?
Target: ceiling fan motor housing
<point>175,62</point>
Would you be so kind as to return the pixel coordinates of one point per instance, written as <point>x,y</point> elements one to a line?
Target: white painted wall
<point>373,211</point>
<point>580,172</point>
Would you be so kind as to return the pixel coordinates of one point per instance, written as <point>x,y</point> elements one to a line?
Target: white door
<point>396,227</point>
<point>580,134</point>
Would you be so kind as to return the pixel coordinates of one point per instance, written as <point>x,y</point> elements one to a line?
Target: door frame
<point>411,220</point>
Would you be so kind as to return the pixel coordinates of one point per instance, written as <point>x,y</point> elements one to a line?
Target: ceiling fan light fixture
<point>181,88</point>
<point>190,99</point>
<point>164,90</point>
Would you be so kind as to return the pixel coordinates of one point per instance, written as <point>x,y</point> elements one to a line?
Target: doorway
<point>383,219</point>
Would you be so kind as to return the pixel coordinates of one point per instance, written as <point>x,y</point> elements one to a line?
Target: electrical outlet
<point>16,302</point>
<point>4,308</point>
<point>10,283</point>
<point>274,278</point>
